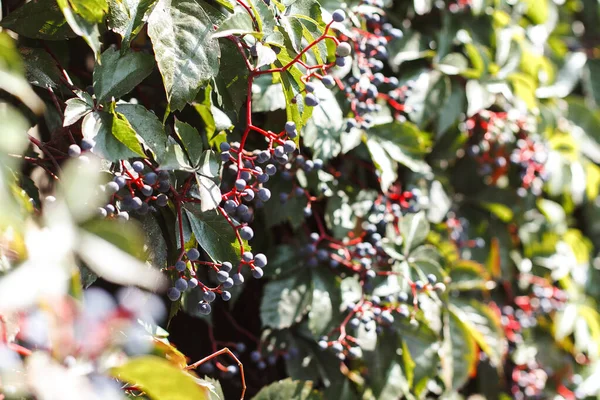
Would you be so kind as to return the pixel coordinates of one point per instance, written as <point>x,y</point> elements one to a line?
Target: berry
<point>228,284</point>
<point>241,347</point>
<point>150,178</point>
<point>262,178</point>
<point>323,344</point>
<point>138,166</point>
<point>260,260</point>
<point>289,146</point>
<point>248,194</point>
<point>338,15</point>
<point>328,80</point>
<point>238,279</point>
<point>310,87</point>
<point>123,215</point>
<point>181,285</point>
<point>87,144</point>
<point>162,200</point>
<point>264,194</point>
<point>224,146</point>
<point>271,169</point>
<point>180,266</point>
<point>120,181</point>
<point>257,273</point>
<point>311,100</point>
<point>290,127</point>
<point>247,256</point>
<point>230,206</point>
<point>222,276</point>
<point>431,278</point>
<point>240,184</point>
<point>242,210</point>
<point>209,296</point>
<point>255,356</point>
<point>111,188</point>
<point>74,151</point>
<point>192,283</point>
<point>147,190</point>
<point>226,266</point>
<point>193,254</point>
<point>173,294</point>
<point>246,233</point>
<point>225,295</point>
<point>340,61</point>
<point>204,308</point>
<point>343,50</point>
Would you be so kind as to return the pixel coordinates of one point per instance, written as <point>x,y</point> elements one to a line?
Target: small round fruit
<point>193,254</point>
<point>74,151</point>
<point>260,260</point>
<point>173,294</point>
<point>180,266</point>
<point>338,15</point>
<point>343,50</point>
<point>257,273</point>
<point>204,308</point>
<point>209,296</point>
<point>226,266</point>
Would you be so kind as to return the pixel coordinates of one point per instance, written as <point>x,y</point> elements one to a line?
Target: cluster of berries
<point>137,188</point>
<point>498,139</point>
<point>458,228</point>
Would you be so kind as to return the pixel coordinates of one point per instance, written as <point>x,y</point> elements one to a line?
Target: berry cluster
<point>458,232</point>
<point>497,139</point>
<point>366,87</point>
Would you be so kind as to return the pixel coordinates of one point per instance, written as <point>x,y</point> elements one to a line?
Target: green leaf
<point>285,301</point>
<point>451,111</point>
<point>468,275</point>
<point>124,133</point>
<point>192,142</point>
<point>326,300</point>
<point>116,74</point>
<point>288,390</point>
<point>238,23</point>
<point>464,351</point>
<point>160,379</point>
<point>41,19</point>
<point>127,18</point>
<point>147,126</point>
<point>422,345</point>
<point>87,30</point>
<point>185,52</point>
<point>97,126</point>
<point>214,234</point>
<point>91,10</point>
<point>207,178</point>
<point>75,110</point>
<point>40,68</point>
<point>414,229</point>
<point>283,260</point>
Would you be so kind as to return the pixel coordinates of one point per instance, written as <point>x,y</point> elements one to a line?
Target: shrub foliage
<point>416,183</point>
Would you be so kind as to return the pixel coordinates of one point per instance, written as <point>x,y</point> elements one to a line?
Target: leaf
<point>283,260</point>
<point>464,351</point>
<point>238,23</point>
<point>127,17</point>
<point>41,19</point>
<point>40,68</point>
<point>469,275</point>
<point>288,390</point>
<point>192,142</point>
<point>87,30</point>
<point>97,126</point>
<point>116,74</point>
<point>383,162</point>
<point>451,111</point>
<point>91,10</point>
<point>147,126</point>
<point>213,233</point>
<point>124,133</point>
<point>186,54</point>
<point>326,299</point>
<point>478,97</point>
<point>75,110</point>
<point>285,301</point>
<point>160,379</point>
<point>414,229</point>
<point>207,178</point>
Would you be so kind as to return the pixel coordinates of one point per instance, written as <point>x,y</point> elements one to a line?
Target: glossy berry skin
<point>74,151</point>
<point>311,100</point>
<point>204,308</point>
<point>192,283</point>
<point>209,296</point>
<point>138,166</point>
<point>240,184</point>
<point>257,273</point>
<point>222,276</point>
<point>228,284</point>
<point>225,295</point>
<point>260,260</point>
<point>264,194</point>
<point>338,15</point>
<point>238,279</point>
<point>246,233</point>
<point>150,178</point>
<point>328,81</point>
<point>226,266</point>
